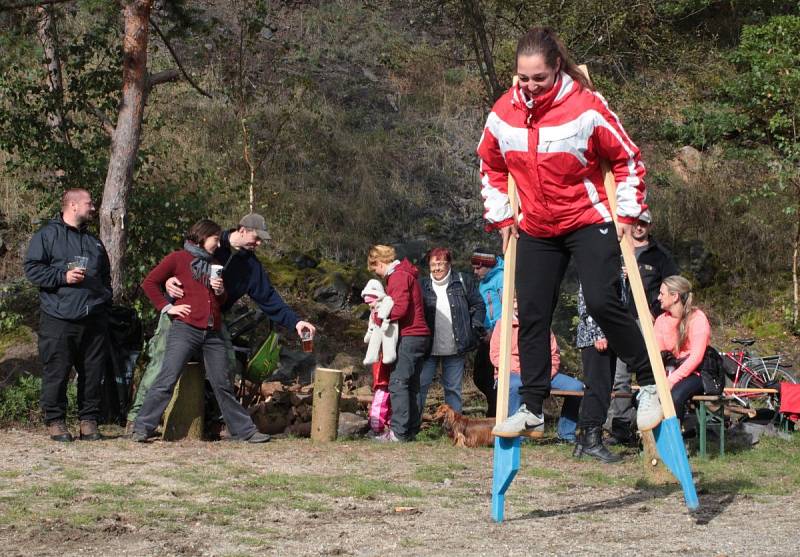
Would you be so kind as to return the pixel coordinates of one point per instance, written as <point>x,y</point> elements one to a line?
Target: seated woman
<point>197,321</point>
<point>568,421</point>
<point>684,332</point>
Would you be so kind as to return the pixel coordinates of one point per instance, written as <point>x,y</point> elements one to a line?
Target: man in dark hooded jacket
<point>71,268</point>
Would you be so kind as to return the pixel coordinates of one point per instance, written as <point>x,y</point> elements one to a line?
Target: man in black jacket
<point>655,264</point>
<point>71,268</point>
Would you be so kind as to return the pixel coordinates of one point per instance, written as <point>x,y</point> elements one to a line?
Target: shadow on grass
<point>714,497</point>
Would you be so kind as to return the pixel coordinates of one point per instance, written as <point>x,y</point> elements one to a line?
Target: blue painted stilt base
<point>673,453</point>
<point>506,465</point>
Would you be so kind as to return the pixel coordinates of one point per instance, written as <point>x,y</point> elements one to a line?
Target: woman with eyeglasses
<point>683,334</point>
<point>551,131</point>
<point>454,312</point>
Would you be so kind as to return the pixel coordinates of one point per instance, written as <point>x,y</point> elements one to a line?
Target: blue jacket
<point>491,289</point>
<point>51,248</point>
<point>466,309</point>
<point>244,274</point>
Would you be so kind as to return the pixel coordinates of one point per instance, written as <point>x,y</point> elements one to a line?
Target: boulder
<point>294,366</point>
<point>352,425</point>
<point>346,363</point>
<point>334,293</point>
<point>687,161</point>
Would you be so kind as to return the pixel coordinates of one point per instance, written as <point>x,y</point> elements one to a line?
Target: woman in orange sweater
<point>683,332</point>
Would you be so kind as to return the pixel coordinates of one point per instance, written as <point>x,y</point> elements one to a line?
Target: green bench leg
<point>721,418</point>
<point>702,420</point>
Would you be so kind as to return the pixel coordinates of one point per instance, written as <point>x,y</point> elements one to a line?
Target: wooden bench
<point>710,410</point>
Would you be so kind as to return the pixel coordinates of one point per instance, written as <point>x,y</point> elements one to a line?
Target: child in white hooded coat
<point>381,353</point>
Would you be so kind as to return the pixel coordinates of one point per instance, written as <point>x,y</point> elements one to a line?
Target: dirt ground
<point>293,497</point>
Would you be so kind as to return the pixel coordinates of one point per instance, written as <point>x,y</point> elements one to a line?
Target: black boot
<point>590,442</point>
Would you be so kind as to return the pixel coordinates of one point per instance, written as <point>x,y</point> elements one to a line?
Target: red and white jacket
<point>553,147</point>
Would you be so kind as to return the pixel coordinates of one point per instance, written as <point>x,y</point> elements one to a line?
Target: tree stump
<point>325,408</point>
<point>184,416</point>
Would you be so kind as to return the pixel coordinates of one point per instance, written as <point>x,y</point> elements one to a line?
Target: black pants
<point>598,377</point>
<point>62,345</point>
<point>483,376</point>
<point>541,263</point>
<point>683,390</point>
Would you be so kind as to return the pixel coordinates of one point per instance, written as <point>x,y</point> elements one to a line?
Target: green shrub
<point>19,403</point>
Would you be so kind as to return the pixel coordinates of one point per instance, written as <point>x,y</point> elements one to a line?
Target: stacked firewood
<point>278,408</point>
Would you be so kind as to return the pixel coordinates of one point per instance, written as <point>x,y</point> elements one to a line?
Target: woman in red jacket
<point>196,325</point>
<point>550,132</point>
<point>413,344</point>
<point>683,332</point>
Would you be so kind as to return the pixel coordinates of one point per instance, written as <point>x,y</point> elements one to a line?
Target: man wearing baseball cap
<point>655,264</point>
<point>242,274</point>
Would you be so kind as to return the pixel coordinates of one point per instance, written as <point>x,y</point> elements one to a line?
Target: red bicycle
<point>747,370</point>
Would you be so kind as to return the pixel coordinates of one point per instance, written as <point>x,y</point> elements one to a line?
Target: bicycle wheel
<point>769,381</point>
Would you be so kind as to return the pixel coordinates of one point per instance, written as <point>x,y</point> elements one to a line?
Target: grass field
<point>292,496</point>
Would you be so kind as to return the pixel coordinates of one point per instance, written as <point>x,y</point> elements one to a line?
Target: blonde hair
<point>380,254</point>
<point>676,284</point>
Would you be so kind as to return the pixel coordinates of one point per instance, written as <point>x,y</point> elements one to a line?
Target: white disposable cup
<point>216,271</point>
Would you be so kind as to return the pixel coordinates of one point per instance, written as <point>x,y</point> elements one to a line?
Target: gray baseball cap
<point>257,223</point>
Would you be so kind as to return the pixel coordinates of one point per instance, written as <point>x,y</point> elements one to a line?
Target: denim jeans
<point>404,386</point>
<point>452,378</point>
<point>569,411</point>
<point>571,407</point>
<point>183,341</point>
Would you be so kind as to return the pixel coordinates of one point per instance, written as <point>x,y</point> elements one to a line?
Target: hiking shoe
<point>258,437</point>
<point>387,436</point>
<point>89,431</point>
<point>141,437</point>
<point>58,431</point>
<point>648,414</point>
<point>523,422</point>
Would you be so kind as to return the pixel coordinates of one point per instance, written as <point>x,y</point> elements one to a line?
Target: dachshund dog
<point>465,432</point>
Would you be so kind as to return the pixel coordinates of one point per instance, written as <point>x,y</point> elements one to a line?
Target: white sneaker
<point>387,436</point>
<point>649,413</point>
<point>523,422</point>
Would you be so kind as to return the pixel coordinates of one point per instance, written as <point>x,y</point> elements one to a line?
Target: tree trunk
<point>796,261</point>
<point>483,51</point>
<point>125,141</point>
<point>47,32</point>
<point>325,408</point>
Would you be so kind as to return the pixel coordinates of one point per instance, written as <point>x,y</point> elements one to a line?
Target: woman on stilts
<point>550,132</point>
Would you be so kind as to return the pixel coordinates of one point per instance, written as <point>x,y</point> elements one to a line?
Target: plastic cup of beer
<point>308,340</point>
<point>78,262</point>
<point>216,271</point>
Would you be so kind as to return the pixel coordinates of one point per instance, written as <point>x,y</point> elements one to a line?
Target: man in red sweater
<point>413,344</point>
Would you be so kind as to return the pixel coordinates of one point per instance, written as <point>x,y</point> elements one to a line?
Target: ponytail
<point>676,284</point>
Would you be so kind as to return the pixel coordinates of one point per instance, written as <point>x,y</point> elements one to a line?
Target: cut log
<point>184,415</point>
<point>325,410</point>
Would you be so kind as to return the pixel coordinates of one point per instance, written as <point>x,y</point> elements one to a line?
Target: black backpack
<point>712,372</point>
<point>712,369</point>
